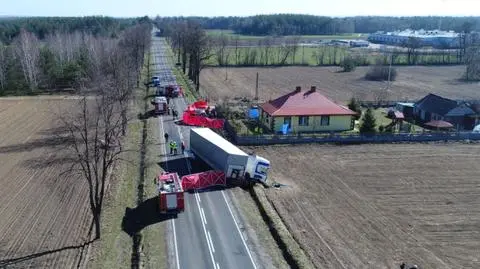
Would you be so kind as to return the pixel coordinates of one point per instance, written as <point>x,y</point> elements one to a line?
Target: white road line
<point>218,266</point>
<point>206,236</point>
<point>204,218</point>
<point>211,241</point>
<point>239,232</point>
<point>175,243</point>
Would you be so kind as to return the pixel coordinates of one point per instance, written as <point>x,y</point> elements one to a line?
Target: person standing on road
<point>183,147</point>
<point>171,147</point>
<point>166,137</point>
<point>174,147</point>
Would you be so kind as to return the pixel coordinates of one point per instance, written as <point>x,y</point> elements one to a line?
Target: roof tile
<point>309,103</point>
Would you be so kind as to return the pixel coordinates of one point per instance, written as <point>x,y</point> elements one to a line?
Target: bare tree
<point>472,61</point>
<point>94,129</point>
<point>319,55</point>
<point>237,51</point>
<point>27,50</point>
<point>3,66</point>
<point>294,44</point>
<point>412,44</point>
<point>221,50</point>
<point>267,48</point>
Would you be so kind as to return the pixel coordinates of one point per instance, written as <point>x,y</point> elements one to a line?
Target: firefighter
<point>183,147</point>
<point>174,147</point>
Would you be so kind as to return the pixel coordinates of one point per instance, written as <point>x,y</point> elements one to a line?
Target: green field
<point>231,34</point>
<point>316,56</point>
<point>305,55</point>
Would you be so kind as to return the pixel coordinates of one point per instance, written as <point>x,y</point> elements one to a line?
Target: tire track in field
<point>54,205</point>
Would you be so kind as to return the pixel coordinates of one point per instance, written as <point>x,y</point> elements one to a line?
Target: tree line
<point>44,26</point>
<point>58,60</point>
<point>296,24</point>
<point>191,45</point>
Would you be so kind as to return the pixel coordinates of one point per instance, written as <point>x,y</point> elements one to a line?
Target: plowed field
<point>412,83</point>
<point>375,206</point>
<point>44,218</point>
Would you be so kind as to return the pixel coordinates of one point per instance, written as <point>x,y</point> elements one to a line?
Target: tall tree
<point>368,123</point>
<point>3,67</point>
<point>28,52</point>
<point>94,130</point>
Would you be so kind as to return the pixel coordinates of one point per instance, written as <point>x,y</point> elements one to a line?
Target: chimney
<point>298,89</point>
<point>313,88</point>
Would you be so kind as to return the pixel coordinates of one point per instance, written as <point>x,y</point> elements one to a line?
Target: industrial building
<point>435,38</point>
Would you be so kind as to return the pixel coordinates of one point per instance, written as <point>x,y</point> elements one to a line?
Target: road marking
<point>206,236</point>
<point>239,232</point>
<point>175,243</point>
<point>203,215</point>
<point>177,259</point>
<point>211,241</point>
<point>218,266</point>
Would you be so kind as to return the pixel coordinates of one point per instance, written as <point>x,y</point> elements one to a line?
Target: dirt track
<point>413,82</point>
<point>375,206</point>
<point>44,215</point>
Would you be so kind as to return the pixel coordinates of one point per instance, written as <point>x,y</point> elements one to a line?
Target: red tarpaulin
<point>190,117</point>
<point>203,180</point>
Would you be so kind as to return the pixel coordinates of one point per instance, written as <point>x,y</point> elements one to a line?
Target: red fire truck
<point>170,193</point>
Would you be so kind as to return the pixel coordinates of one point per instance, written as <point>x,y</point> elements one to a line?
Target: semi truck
<point>222,155</point>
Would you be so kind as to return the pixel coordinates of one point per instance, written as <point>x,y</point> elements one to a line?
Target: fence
<point>252,140</point>
<point>390,103</point>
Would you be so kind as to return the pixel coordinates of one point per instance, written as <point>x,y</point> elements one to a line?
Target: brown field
<point>44,216</point>
<point>375,206</point>
<point>413,82</point>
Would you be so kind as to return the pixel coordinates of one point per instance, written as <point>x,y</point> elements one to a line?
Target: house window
<point>303,121</point>
<point>325,120</point>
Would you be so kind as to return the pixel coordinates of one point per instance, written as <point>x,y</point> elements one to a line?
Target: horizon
<point>246,8</point>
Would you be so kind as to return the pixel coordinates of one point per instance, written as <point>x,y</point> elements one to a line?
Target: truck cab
<point>257,168</point>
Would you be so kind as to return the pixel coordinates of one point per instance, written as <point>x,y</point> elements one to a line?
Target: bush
<point>355,106</point>
<point>379,72</point>
<point>348,64</point>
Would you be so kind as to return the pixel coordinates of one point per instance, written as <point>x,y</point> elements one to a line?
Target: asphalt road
<point>208,233</point>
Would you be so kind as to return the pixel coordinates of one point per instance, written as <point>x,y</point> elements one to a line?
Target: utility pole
<point>256,88</point>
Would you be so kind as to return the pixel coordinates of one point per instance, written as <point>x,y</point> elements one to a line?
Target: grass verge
<point>154,253</point>
<point>114,248</point>
<point>291,250</point>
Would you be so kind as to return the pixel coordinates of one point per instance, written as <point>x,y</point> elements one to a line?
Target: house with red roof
<point>306,111</point>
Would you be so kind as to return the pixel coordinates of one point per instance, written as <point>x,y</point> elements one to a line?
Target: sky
<point>335,8</point>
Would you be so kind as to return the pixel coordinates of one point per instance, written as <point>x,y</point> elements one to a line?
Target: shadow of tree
<point>145,214</point>
<point>12,261</point>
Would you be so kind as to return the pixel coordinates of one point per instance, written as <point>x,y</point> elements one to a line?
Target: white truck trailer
<point>222,155</point>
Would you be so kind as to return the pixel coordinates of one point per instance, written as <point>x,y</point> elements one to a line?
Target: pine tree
<point>368,123</point>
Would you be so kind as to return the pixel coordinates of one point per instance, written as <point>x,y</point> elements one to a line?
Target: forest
<point>44,26</point>
<point>296,24</point>
<point>50,54</point>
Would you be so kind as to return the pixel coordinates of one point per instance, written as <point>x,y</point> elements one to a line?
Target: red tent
<point>203,180</point>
